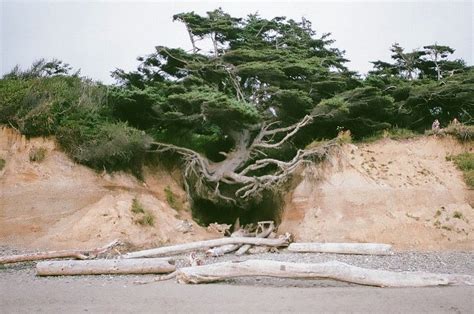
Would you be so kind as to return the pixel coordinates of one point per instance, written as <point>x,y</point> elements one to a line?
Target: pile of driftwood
<point>251,239</point>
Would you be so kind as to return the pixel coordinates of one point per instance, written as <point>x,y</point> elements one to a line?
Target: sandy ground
<point>22,292</point>
<point>58,204</point>
<point>400,192</point>
<point>120,296</point>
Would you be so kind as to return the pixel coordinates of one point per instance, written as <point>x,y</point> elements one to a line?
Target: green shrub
<point>113,146</point>
<point>172,199</point>
<point>457,215</point>
<point>144,217</point>
<point>137,208</point>
<point>2,163</point>
<point>465,163</point>
<point>393,133</point>
<point>37,154</point>
<point>461,131</point>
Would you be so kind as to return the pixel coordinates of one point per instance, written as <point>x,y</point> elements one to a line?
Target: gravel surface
<point>436,262</point>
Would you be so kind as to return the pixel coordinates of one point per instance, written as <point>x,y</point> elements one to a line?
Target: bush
<point>137,208</point>
<point>393,133</point>
<point>37,154</point>
<point>465,163</point>
<point>2,163</point>
<point>172,199</point>
<point>144,216</point>
<point>461,131</point>
<point>147,219</point>
<point>113,146</point>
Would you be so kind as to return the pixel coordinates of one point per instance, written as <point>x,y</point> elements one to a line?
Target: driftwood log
<point>186,247</point>
<point>105,266</point>
<point>342,248</point>
<point>328,270</point>
<point>265,227</point>
<point>77,254</point>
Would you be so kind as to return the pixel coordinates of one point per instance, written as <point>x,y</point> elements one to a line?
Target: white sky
<point>99,36</point>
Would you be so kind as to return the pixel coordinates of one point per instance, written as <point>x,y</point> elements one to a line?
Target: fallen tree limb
<point>78,254</point>
<point>265,232</point>
<point>342,248</point>
<point>221,250</point>
<point>186,247</point>
<point>328,270</point>
<point>105,266</point>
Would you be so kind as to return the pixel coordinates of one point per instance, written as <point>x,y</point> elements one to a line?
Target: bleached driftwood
<point>265,232</point>
<point>342,248</point>
<point>105,266</point>
<point>78,254</point>
<point>328,270</point>
<point>186,247</point>
<point>224,249</point>
<point>221,250</point>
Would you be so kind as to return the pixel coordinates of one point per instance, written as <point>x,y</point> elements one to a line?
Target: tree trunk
<point>342,248</point>
<point>186,247</point>
<point>79,254</point>
<point>105,266</point>
<point>329,270</point>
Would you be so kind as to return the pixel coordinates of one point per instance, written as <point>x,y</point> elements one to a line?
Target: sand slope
<point>399,192</point>
<point>59,204</point>
<point>404,193</point>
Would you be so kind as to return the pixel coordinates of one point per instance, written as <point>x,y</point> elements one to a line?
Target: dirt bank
<point>401,192</point>
<point>58,204</point>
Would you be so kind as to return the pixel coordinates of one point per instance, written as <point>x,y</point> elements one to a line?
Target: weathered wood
<point>328,270</point>
<point>78,254</point>
<point>186,247</point>
<point>265,232</point>
<point>105,266</point>
<point>221,250</point>
<point>342,248</point>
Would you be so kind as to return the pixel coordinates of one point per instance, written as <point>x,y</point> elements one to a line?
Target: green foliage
<point>344,137</point>
<point>2,163</point>
<point>41,68</point>
<point>113,146</point>
<point>37,154</point>
<point>143,216</point>
<point>461,131</point>
<point>258,71</point>
<point>363,110</point>
<point>137,207</point>
<point>172,199</point>
<point>146,219</point>
<point>465,162</point>
<point>392,133</point>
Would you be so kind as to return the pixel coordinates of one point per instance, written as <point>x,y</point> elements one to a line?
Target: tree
<point>42,68</point>
<point>435,59</point>
<point>249,98</point>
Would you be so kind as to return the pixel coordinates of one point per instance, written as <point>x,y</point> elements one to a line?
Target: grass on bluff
<point>172,199</point>
<point>37,154</point>
<point>465,163</point>
<point>396,134</point>
<point>144,217</point>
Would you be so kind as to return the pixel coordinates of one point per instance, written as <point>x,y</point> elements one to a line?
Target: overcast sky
<point>99,36</point>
